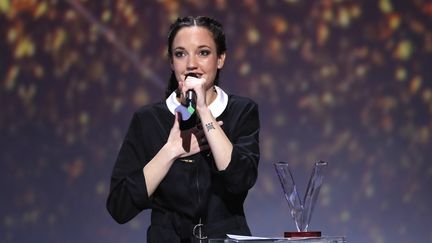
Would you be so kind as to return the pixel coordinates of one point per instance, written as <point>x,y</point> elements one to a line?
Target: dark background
<point>348,82</point>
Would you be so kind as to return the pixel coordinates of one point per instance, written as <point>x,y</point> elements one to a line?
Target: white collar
<point>216,107</point>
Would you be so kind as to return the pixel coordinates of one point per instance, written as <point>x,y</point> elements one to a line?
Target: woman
<point>195,180</point>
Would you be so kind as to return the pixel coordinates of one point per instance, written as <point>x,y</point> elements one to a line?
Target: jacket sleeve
<point>128,192</point>
<point>242,171</point>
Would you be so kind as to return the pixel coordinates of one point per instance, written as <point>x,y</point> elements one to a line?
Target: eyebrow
<point>204,46</point>
<point>199,47</point>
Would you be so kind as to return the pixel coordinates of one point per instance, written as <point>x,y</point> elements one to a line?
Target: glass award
<point>301,210</point>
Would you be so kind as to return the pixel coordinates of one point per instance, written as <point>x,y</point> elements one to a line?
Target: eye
<point>179,54</point>
<point>204,53</point>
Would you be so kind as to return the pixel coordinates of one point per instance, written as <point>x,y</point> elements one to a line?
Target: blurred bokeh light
<point>348,82</point>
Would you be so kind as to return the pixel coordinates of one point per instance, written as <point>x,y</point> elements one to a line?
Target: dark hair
<point>210,24</point>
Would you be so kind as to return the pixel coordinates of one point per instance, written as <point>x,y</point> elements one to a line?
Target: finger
<point>192,78</point>
<point>188,83</point>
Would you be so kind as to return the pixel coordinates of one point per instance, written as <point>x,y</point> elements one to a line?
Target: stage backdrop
<point>348,82</point>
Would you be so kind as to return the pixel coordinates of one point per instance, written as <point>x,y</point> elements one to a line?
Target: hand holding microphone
<point>190,102</point>
<point>188,111</point>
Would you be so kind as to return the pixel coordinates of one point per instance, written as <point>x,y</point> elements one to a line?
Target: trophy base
<point>302,234</point>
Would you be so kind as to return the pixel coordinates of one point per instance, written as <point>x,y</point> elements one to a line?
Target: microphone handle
<point>189,98</point>
<point>190,93</point>
<point>190,107</point>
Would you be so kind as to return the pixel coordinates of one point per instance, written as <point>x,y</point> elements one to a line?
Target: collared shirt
<point>217,107</point>
<point>190,190</point>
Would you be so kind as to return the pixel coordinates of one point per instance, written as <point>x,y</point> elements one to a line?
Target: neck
<point>211,95</point>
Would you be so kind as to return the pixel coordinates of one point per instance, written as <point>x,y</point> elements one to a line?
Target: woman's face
<point>194,51</point>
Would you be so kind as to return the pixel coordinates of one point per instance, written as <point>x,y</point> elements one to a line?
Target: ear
<point>221,60</point>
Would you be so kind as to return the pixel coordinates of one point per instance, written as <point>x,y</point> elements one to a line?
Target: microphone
<point>189,99</point>
<point>189,117</point>
<point>190,102</point>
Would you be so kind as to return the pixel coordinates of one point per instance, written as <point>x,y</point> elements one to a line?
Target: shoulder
<point>241,114</point>
<point>239,106</point>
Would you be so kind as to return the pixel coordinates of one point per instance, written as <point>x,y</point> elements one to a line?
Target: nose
<point>191,63</point>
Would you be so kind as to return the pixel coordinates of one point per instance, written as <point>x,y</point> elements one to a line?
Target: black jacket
<point>191,190</point>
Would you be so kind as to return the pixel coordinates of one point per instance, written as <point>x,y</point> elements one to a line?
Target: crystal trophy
<point>301,211</point>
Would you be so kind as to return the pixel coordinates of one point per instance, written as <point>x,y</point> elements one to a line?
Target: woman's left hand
<point>197,85</point>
